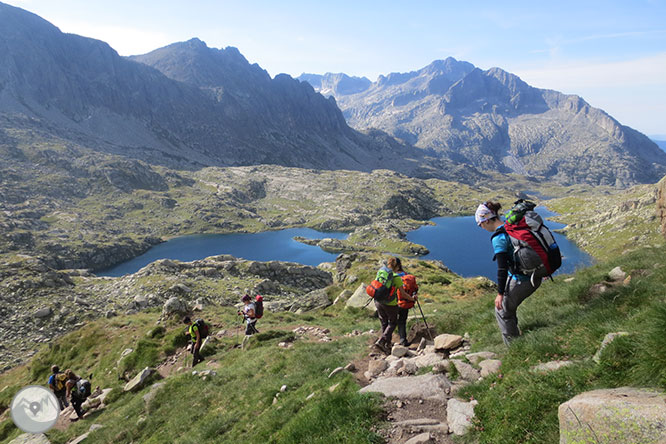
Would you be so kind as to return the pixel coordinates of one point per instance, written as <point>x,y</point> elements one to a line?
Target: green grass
<point>562,320</point>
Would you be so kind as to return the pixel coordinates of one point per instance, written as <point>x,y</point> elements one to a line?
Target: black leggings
<point>402,322</point>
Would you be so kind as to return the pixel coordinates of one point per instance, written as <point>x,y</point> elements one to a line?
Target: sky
<point>612,53</point>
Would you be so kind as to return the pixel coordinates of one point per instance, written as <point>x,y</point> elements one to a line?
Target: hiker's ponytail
<point>495,207</point>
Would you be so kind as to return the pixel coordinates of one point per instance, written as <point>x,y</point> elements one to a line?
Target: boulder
<point>447,342</point>
<point>360,299</point>
<point>610,337</point>
<point>174,306</point>
<point>427,386</point>
<point>30,438</point>
<point>140,380</point>
<point>490,367</point>
<point>459,415</point>
<point>621,415</point>
<point>311,301</point>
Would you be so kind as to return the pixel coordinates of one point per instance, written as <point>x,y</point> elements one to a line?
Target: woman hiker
<point>248,312</point>
<point>512,288</point>
<point>388,311</point>
<point>405,301</point>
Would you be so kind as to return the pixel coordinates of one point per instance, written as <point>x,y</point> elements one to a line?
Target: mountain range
<point>183,106</point>
<point>495,121</point>
<point>188,106</point>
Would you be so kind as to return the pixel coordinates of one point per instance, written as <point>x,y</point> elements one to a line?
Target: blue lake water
<point>265,246</point>
<point>456,241</point>
<point>465,248</point>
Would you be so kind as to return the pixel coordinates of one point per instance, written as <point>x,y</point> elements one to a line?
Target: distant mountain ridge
<point>196,107</point>
<point>493,120</point>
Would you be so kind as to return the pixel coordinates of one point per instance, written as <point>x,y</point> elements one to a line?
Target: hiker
<point>405,300</point>
<point>249,314</point>
<point>512,288</point>
<point>77,390</point>
<point>195,334</point>
<point>388,310</point>
<point>57,382</point>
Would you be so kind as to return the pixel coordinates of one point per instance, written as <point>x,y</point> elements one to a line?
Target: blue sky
<point>612,53</point>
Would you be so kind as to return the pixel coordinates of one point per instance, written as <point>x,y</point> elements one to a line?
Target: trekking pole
<point>424,319</point>
<point>367,303</point>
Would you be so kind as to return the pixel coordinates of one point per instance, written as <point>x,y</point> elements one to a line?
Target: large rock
<point>31,438</point>
<point>174,306</point>
<point>459,415</point>
<point>360,299</point>
<point>411,387</point>
<point>311,301</point>
<point>448,342</point>
<point>140,380</point>
<point>467,372</point>
<point>620,416</point>
<point>477,357</point>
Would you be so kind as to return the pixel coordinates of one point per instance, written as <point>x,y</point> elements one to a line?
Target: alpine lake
<point>456,241</point>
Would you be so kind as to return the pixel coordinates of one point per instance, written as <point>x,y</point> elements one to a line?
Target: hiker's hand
<point>498,301</point>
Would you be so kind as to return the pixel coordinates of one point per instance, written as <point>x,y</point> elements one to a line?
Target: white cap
<point>483,213</point>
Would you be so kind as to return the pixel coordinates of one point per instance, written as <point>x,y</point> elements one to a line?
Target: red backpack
<point>258,306</point>
<point>410,287</point>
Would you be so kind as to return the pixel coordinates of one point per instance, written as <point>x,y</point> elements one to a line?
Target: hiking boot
<point>404,342</point>
<point>382,346</point>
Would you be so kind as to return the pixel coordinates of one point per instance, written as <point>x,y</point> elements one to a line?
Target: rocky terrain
<point>494,121</point>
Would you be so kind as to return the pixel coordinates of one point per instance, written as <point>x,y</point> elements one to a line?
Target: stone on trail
<point>448,342</point>
<point>30,438</point>
<point>399,350</point>
<point>377,366</point>
<point>427,386</point>
<point>621,415</point>
<point>490,367</point>
<point>459,415</point>
<point>423,438</point>
<point>475,358</point>
<point>467,372</point>
<point>80,439</point>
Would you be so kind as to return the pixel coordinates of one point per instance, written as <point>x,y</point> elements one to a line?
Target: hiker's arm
<point>198,341</point>
<point>502,276</point>
<point>250,313</point>
<point>405,295</point>
<point>68,388</point>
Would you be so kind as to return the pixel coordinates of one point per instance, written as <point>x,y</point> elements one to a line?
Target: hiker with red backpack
<point>406,298</point>
<point>525,252</point>
<point>384,290</point>
<point>198,331</point>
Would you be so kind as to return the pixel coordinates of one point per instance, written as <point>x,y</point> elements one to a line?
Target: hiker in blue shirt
<point>512,288</point>
<point>57,382</point>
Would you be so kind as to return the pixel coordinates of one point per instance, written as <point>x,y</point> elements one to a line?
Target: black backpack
<point>202,327</point>
<point>82,389</point>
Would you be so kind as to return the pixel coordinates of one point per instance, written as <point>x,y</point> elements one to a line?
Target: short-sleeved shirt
<point>502,244</point>
<point>395,283</point>
<point>193,332</point>
<point>247,309</point>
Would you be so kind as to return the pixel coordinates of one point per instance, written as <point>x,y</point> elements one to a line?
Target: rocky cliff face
<point>495,121</point>
<point>194,106</point>
<point>661,204</point>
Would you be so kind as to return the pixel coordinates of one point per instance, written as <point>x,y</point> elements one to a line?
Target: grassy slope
<point>562,320</point>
